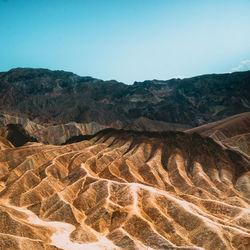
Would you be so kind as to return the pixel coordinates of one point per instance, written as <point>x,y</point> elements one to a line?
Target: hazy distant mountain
<point>60,97</point>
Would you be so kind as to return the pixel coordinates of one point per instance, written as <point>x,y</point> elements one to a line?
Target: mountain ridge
<point>61,97</point>
<point>121,179</point>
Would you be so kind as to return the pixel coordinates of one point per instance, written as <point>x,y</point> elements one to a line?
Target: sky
<point>126,40</point>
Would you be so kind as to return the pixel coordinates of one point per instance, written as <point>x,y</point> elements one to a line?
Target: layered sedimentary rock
<point>58,134</point>
<point>4,143</point>
<point>239,142</point>
<point>29,126</point>
<point>49,133</point>
<point>226,128</point>
<point>125,190</point>
<point>233,131</point>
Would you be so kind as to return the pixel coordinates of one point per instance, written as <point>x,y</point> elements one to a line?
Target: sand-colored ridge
<point>125,190</point>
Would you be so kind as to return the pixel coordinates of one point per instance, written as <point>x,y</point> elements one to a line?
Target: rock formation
<point>125,190</point>
<point>16,134</point>
<point>58,97</point>
<point>58,134</point>
<point>122,180</point>
<point>226,128</point>
<point>233,131</point>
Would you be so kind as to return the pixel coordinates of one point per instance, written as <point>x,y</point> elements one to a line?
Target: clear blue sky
<point>126,40</point>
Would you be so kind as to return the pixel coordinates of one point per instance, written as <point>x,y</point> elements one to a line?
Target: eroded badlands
<point>125,190</point>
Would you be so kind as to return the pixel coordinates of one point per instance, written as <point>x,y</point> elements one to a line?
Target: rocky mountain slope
<point>138,187</point>
<point>239,142</point>
<point>233,131</point>
<point>125,190</point>
<point>58,134</point>
<point>58,97</point>
<point>226,128</point>
<point>16,134</point>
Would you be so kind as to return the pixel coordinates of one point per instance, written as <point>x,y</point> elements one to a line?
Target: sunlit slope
<point>226,128</point>
<point>233,132</point>
<point>58,134</point>
<point>125,190</point>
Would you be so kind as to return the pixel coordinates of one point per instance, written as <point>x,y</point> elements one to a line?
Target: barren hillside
<point>125,190</point>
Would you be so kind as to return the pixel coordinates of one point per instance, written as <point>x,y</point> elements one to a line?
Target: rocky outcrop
<point>61,133</point>
<point>27,124</point>
<point>125,190</point>
<point>16,135</point>
<point>49,133</point>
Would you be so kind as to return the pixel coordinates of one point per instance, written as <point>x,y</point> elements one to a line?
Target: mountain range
<point>92,164</point>
<point>60,97</point>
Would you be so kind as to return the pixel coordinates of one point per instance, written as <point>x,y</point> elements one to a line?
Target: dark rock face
<point>59,97</point>
<point>16,134</point>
